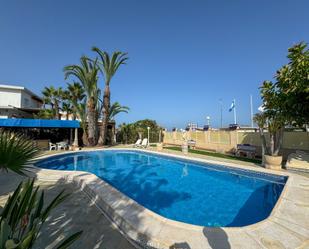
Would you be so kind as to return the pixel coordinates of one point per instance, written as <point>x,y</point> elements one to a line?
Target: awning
<point>38,123</point>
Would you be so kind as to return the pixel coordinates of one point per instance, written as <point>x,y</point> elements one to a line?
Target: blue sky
<point>184,55</point>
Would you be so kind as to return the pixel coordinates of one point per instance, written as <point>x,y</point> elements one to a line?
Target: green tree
<point>76,95</point>
<point>129,133</point>
<point>67,108</point>
<point>81,109</point>
<point>45,114</point>
<point>115,109</point>
<point>53,96</point>
<point>108,67</point>
<point>87,74</point>
<point>292,86</point>
<point>286,101</point>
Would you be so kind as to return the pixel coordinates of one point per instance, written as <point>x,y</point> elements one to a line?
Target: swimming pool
<point>179,189</point>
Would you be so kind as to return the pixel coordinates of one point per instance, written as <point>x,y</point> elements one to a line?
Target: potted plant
<point>25,211</point>
<point>271,158</point>
<point>285,102</point>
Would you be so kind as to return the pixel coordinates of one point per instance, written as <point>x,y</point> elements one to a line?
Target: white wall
<point>10,97</point>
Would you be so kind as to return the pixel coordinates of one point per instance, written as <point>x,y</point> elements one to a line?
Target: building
<point>18,102</point>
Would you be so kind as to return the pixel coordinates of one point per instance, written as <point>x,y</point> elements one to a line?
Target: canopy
<point>38,123</point>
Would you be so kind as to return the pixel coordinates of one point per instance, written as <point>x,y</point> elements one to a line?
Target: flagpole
<point>251,110</point>
<point>221,116</point>
<point>235,121</point>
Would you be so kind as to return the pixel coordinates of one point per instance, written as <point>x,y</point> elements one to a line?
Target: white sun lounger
<point>138,143</point>
<point>144,143</point>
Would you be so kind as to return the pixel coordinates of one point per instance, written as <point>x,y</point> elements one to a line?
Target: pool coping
<point>147,229</point>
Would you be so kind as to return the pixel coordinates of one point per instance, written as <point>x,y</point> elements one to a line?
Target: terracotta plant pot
<point>273,162</point>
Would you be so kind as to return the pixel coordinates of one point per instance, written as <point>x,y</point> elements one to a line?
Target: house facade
<point>18,102</point>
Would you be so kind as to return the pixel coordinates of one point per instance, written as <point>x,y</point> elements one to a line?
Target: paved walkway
<point>79,213</point>
<point>74,214</point>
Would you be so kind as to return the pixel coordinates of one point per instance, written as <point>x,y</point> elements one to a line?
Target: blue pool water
<point>178,189</point>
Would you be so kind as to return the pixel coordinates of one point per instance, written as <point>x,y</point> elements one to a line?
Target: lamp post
<point>208,120</point>
<point>148,128</point>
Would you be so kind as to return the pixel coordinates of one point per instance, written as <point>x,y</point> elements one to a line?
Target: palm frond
<point>16,150</point>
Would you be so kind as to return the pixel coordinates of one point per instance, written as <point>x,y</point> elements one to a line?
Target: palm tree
<point>53,96</point>
<point>81,110</point>
<point>67,108</point>
<point>87,74</point>
<point>45,114</point>
<point>109,66</point>
<point>76,94</point>
<point>16,151</point>
<point>115,109</point>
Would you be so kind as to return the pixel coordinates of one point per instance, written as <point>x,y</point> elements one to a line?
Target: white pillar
<point>75,143</point>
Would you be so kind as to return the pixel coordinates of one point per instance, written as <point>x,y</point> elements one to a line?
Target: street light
<point>148,128</point>
<point>208,120</point>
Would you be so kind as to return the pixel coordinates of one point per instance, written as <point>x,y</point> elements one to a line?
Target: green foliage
<point>260,119</point>
<point>286,101</point>
<point>15,151</point>
<point>45,114</point>
<point>115,109</point>
<point>108,66</point>
<point>53,96</point>
<point>87,74</point>
<point>67,108</point>
<point>23,216</point>
<point>129,133</point>
<point>76,94</point>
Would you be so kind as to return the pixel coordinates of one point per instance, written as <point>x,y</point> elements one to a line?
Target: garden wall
<point>226,141</point>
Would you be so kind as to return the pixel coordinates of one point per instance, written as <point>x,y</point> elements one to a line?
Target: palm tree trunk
<point>91,122</point>
<point>57,114</point>
<point>106,108</point>
<point>85,138</point>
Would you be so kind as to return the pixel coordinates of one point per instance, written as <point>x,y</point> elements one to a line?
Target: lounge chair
<point>52,146</point>
<point>144,143</point>
<point>138,143</point>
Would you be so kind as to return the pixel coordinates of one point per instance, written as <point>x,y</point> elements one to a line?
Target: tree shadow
<point>217,238</point>
<point>181,245</point>
<point>76,213</point>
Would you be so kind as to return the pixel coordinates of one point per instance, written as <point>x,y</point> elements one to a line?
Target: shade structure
<point>38,123</point>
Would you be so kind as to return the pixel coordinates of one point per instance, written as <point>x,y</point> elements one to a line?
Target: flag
<point>261,108</point>
<point>232,106</point>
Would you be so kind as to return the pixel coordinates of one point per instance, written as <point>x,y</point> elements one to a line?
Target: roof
<point>22,88</point>
<point>38,123</point>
